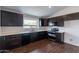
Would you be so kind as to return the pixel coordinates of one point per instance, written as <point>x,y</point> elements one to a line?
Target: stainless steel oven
<point>52,33</point>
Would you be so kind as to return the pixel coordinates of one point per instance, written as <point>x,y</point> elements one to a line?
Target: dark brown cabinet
<point>2,43</point>
<point>52,22</point>
<point>32,37</point>
<point>73,16</point>
<point>42,35</point>
<point>57,21</point>
<point>43,22</point>
<point>12,41</point>
<point>11,19</point>
<point>26,38</point>
<point>60,21</point>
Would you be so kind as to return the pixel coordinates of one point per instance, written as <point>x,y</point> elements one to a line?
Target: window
<point>30,23</point>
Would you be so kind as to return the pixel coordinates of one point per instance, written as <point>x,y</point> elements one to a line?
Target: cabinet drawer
<point>12,41</point>
<point>13,37</point>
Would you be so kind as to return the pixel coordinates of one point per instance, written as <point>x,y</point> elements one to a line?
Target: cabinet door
<point>44,22</point>
<point>26,38</point>
<point>12,41</point>
<point>34,36</point>
<point>52,21</point>
<point>41,22</point>
<point>60,22</point>
<point>42,35</point>
<point>57,21</point>
<point>11,19</point>
<point>2,43</point>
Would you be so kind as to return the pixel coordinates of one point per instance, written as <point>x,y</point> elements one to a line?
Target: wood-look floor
<point>46,46</point>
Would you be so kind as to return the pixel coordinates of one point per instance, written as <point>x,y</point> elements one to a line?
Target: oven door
<point>52,36</point>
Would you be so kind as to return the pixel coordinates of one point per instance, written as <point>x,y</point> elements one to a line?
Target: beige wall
<point>72,32</point>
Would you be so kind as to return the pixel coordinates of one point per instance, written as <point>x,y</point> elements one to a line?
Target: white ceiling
<point>39,11</point>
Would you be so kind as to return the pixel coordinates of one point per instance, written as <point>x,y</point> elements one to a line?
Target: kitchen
<point>44,34</point>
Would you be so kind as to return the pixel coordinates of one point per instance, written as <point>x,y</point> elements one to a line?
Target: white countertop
<point>13,33</point>
<point>5,34</point>
<point>19,30</point>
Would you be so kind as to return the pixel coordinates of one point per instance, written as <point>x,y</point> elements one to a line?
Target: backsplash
<point>18,30</point>
<point>61,29</point>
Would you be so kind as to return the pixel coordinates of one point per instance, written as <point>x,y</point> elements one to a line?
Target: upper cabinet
<point>73,16</point>
<point>52,22</point>
<point>11,19</point>
<point>43,22</point>
<point>57,21</point>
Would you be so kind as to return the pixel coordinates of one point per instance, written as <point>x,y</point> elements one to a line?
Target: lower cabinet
<point>34,36</point>
<point>2,43</point>
<point>12,41</point>
<point>26,38</point>
<point>42,35</point>
<point>60,37</point>
<point>38,35</point>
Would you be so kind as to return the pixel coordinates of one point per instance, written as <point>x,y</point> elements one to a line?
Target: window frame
<point>30,26</point>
